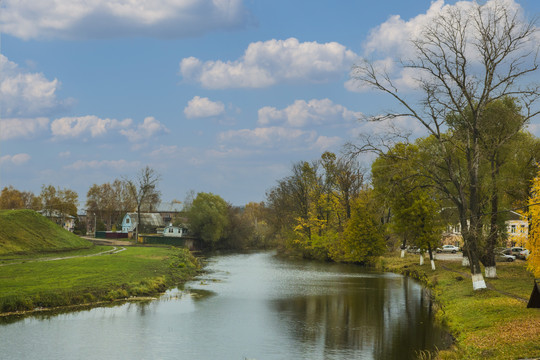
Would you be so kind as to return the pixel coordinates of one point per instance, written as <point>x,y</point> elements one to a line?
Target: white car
<point>504,257</point>
<point>448,248</point>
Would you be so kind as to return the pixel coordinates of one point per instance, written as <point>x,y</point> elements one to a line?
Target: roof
<point>152,219</point>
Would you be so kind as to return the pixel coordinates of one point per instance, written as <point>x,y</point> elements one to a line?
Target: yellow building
<point>517,230</point>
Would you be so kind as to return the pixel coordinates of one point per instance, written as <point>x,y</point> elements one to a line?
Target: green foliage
<point>26,231</point>
<point>362,239</point>
<point>208,218</point>
<point>316,212</point>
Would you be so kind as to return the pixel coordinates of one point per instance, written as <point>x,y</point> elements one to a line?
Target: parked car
<point>448,248</point>
<point>523,254</point>
<point>516,251</point>
<point>502,256</point>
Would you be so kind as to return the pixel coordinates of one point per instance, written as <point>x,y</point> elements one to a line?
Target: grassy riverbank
<point>136,271</point>
<point>27,232</point>
<point>488,324</point>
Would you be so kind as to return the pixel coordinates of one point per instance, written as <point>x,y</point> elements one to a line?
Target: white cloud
<point>268,136</point>
<point>97,164</point>
<point>30,19</point>
<point>17,159</point>
<point>392,40</point>
<point>326,142</point>
<point>148,128</point>
<point>203,107</point>
<point>18,128</point>
<point>26,94</point>
<point>77,126</point>
<point>267,63</point>
<point>302,113</point>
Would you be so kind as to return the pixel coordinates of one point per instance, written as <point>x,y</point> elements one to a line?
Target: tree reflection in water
<point>385,318</point>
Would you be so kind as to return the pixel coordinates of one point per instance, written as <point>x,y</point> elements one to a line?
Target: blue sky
<point>217,96</point>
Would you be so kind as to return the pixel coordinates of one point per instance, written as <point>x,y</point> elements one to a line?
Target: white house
<point>174,231</point>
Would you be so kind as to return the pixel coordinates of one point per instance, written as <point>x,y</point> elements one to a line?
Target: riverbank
<point>489,324</point>
<point>34,284</point>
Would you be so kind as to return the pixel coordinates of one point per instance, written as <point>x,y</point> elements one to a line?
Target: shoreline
<point>488,324</point>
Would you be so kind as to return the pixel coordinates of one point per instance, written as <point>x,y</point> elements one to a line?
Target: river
<point>251,306</point>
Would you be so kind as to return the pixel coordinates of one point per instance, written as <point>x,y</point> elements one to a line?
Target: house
<point>64,220</point>
<point>175,231</point>
<point>150,222</point>
<point>517,229</point>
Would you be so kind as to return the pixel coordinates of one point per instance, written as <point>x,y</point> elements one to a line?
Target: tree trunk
<point>421,258</point>
<point>488,258</point>
<point>431,258</point>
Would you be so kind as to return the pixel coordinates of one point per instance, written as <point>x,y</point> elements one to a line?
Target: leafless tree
<point>144,190</point>
<point>464,60</point>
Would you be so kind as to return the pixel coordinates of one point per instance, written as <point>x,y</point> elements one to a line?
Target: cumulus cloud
<point>27,94</point>
<point>302,113</point>
<point>149,127</point>
<point>75,19</point>
<point>90,124</point>
<point>267,63</point>
<point>98,164</point>
<point>17,159</point>
<point>203,107</point>
<point>93,126</point>
<point>12,128</point>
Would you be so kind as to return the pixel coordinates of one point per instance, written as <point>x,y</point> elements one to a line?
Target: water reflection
<point>388,318</point>
<point>248,306</point>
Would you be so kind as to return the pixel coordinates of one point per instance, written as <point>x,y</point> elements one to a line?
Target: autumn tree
<point>109,202</point>
<point>11,198</point>
<point>533,240</point>
<point>465,59</point>
<point>362,239</point>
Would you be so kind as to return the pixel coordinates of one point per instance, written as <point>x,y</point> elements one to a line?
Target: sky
<point>218,96</point>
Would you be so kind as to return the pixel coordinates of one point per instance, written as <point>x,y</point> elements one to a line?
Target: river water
<point>252,306</point>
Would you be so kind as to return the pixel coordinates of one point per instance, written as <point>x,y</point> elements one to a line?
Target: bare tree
<point>144,191</point>
<point>464,60</point>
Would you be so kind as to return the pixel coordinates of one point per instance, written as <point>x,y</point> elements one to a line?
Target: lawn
<point>137,271</point>
<point>487,324</point>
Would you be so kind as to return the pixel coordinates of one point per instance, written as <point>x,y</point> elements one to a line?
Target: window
<point>127,220</point>
<point>513,229</point>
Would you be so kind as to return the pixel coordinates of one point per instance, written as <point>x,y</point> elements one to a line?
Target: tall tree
<point>144,192</point>
<point>209,218</point>
<point>465,59</point>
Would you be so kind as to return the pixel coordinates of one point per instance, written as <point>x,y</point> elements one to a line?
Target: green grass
<point>26,231</point>
<point>486,324</point>
<point>136,271</point>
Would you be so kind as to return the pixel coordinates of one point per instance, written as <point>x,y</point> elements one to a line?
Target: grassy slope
<point>26,231</point>
<point>133,272</point>
<point>486,324</point>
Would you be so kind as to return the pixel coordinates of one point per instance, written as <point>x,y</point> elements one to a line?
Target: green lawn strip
<point>133,272</point>
<point>16,258</point>
<point>486,324</point>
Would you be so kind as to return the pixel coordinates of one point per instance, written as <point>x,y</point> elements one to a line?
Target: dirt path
<point>114,250</point>
<point>111,242</point>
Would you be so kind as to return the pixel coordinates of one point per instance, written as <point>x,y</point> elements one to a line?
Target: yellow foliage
<point>533,241</point>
